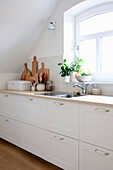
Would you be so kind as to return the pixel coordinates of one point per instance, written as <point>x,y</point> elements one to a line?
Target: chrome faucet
<point>83,87</point>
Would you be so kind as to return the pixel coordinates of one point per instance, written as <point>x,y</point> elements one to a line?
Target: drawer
<point>62,151</point>
<point>9,130</point>
<point>33,139</point>
<point>62,118</point>
<point>94,158</point>
<point>33,111</point>
<point>25,109</point>
<point>10,106</point>
<point>96,125</point>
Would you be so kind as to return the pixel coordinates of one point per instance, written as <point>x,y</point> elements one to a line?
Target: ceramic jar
<point>40,87</point>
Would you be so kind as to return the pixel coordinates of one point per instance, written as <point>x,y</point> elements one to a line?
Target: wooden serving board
<point>34,66</point>
<point>26,72</point>
<point>45,72</point>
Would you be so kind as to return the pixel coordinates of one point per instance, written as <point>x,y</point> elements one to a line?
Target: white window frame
<point>98,76</point>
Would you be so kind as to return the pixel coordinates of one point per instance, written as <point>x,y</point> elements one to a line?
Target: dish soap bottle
<point>96,89</point>
<point>89,89</point>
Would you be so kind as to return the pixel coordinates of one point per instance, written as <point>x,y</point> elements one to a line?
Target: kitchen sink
<point>59,94</point>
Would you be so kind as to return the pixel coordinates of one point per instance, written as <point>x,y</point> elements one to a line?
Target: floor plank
<point>14,158</point>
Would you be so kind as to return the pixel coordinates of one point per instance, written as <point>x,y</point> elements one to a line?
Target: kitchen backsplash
<point>52,64</point>
<point>59,82</point>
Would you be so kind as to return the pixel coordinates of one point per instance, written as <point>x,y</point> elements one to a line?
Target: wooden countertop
<point>88,99</point>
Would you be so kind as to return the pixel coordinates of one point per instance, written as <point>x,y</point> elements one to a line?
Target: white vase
<point>72,77</point>
<point>67,78</point>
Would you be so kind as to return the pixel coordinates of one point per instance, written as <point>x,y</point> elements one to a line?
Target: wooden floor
<point>14,158</point>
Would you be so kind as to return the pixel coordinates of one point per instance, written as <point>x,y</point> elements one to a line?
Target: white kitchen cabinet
<point>25,109</point>
<point>28,122</point>
<point>57,149</point>
<point>33,139</point>
<point>54,129</point>
<point>10,106</point>
<point>33,111</point>
<point>62,118</point>
<point>96,125</point>
<point>62,151</point>
<point>94,158</point>
<point>9,130</point>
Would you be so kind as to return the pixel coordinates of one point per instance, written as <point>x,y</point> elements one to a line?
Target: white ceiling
<point>21,23</point>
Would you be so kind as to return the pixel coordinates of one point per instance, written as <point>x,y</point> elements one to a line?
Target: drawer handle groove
<point>31,99</point>
<point>60,104</point>
<point>101,152</point>
<point>101,110</point>
<point>6,95</point>
<point>58,138</point>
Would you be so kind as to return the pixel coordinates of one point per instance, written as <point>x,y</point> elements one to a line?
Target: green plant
<point>72,67</point>
<point>76,66</point>
<point>65,70</point>
<point>79,64</point>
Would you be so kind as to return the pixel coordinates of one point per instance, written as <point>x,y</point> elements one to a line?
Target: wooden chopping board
<point>45,72</point>
<point>34,66</point>
<point>26,73</point>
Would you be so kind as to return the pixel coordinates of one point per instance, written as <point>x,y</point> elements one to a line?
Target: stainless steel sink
<point>59,94</point>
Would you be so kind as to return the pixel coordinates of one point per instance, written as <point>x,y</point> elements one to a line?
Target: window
<point>94,36</point>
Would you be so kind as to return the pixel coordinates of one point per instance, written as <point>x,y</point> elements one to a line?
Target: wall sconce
<point>52,25</point>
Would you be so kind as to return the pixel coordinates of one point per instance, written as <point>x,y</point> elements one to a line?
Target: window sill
<point>93,82</point>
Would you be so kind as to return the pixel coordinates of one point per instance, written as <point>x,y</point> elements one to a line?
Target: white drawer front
<point>33,139</point>
<point>9,130</point>
<point>10,106</point>
<point>62,118</point>
<point>62,151</point>
<point>96,125</point>
<point>95,158</point>
<point>33,111</point>
<point>25,109</point>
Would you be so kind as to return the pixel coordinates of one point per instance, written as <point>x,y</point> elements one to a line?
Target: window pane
<point>107,54</point>
<point>88,53</point>
<point>97,23</point>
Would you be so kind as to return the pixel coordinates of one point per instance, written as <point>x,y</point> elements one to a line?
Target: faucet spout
<point>81,87</point>
<point>77,85</point>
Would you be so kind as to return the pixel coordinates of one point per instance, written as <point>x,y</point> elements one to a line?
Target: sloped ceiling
<point>21,23</point>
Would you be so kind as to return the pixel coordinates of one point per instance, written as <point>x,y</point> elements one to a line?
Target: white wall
<point>51,42</point>
<point>21,23</point>
<point>5,77</point>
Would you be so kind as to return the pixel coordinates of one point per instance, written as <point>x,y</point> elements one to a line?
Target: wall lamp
<point>52,25</point>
